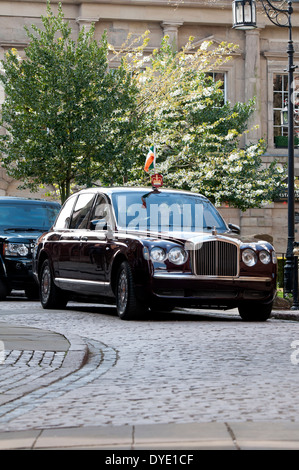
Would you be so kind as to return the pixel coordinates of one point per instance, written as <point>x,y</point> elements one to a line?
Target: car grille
<point>216,258</point>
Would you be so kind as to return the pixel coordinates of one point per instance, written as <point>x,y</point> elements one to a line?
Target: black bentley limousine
<point>152,249</point>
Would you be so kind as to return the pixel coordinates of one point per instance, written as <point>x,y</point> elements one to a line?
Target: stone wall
<point>5,181</point>
<point>270,220</point>
<point>10,187</point>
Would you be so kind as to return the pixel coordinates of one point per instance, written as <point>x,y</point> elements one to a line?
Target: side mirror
<point>234,228</point>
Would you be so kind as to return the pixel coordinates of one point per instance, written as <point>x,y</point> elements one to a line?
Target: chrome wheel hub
<point>45,284</point>
<point>122,292</point>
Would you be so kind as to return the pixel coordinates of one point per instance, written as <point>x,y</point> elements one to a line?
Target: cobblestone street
<point>181,368</point>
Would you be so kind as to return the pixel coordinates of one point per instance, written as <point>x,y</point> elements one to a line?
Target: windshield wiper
<point>24,229</point>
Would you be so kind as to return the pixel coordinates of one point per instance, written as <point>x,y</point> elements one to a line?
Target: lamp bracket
<point>277,15</point>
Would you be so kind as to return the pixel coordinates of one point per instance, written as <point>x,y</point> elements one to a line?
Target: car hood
<point>22,236</point>
<point>191,238</point>
<point>182,237</point>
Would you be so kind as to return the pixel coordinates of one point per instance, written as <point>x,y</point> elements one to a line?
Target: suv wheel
<point>50,295</point>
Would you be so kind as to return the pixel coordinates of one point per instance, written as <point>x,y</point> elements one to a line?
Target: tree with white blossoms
<point>196,133</point>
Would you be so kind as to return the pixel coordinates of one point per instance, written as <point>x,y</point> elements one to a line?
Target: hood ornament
<point>214,231</point>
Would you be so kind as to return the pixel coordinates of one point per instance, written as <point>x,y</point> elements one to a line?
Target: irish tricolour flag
<point>150,159</point>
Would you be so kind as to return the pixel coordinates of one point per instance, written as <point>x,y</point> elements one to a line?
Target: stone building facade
<point>257,69</point>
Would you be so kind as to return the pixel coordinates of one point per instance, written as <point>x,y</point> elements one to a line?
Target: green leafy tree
<point>66,112</point>
<point>197,134</point>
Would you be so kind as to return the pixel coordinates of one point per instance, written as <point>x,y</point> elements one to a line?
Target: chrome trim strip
<point>194,277</point>
<point>62,280</point>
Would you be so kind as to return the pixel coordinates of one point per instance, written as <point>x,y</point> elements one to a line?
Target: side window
<point>64,217</point>
<point>101,214</point>
<point>81,211</point>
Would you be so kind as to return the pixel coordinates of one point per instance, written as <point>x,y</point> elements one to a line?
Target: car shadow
<point>176,315</point>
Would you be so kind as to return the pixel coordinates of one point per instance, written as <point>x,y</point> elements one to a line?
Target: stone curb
<point>292,315</point>
<point>184,436</point>
<point>76,354</point>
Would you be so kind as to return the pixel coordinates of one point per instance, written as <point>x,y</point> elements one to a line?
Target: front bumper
<point>189,289</point>
<point>18,272</point>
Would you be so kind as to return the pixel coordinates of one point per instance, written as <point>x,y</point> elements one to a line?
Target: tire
<point>127,305</point>
<point>51,297</point>
<point>255,312</point>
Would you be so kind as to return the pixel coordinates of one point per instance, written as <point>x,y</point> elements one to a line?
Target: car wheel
<point>255,312</point>
<point>128,306</point>
<point>50,295</point>
<point>3,291</point>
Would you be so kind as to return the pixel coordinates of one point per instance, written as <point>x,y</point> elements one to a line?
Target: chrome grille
<point>216,258</point>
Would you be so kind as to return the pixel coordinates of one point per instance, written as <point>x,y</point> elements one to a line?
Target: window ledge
<point>280,152</point>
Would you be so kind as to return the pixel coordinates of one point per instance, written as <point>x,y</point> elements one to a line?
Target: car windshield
<point>165,211</point>
<point>23,216</point>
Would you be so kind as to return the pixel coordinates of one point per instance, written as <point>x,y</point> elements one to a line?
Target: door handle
<point>69,239</point>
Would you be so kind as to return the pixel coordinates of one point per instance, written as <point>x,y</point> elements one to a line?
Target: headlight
<point>158,254</point>
<point>177,255</point>
<point>265,257</point>
<point>249,257</point>
<point>16,249</point>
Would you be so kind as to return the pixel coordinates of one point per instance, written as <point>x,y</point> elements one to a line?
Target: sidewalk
<point>160,437</point>
<point>61,357</point>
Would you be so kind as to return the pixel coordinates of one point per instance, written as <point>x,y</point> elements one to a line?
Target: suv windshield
<point>26,216</point>
<point>161,211</point>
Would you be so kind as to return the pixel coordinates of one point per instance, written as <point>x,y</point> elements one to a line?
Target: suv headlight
<point>177,255</point>
<point>16,249</point>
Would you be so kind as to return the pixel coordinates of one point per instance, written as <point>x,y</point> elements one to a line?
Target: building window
<point>280,110</point>
<point>220,77</point>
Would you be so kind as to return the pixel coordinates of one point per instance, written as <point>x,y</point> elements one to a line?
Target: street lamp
<point>244,17</point>
<point>244,14</point>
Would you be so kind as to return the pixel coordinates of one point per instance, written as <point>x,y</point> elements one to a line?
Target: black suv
<point>22,221</point>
